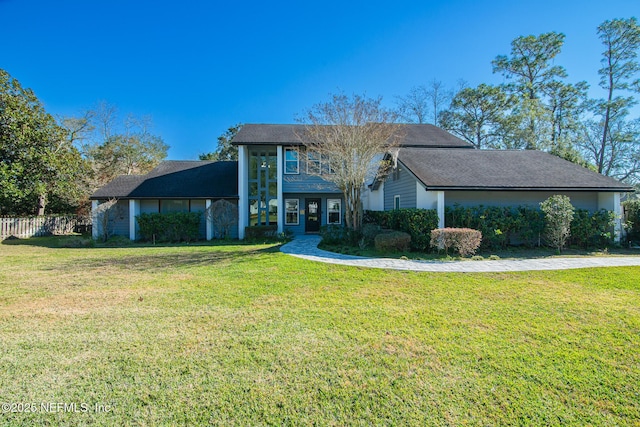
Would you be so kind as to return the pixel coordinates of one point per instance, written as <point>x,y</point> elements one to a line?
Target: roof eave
<point>505,188</point>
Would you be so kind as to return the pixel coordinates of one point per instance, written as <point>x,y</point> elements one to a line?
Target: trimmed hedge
<point>418,223</point>
<point>464,240</point>
<point>393,241</point>
<point>502,226</point>
<point>169,227</point>
<point>258,232</point>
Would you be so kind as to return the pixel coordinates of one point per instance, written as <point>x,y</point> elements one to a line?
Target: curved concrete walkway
<point>307,247</point>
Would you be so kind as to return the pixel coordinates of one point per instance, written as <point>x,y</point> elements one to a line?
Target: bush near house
<point>524,225</point>
<point>259,232</point>
<point>632,218</point>
<point>339,235</point>
<point>592,229</point>
<point>392,241</point>
<point>500,226</point>
<point>418,223</point>
<point>464,240</point>
<point>169,227</point>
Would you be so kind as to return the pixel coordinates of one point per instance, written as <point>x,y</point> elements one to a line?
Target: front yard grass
<point>245,335</point>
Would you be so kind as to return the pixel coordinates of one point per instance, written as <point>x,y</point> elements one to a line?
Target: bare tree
<point>106,214</point>
<point>351,135</point>
<point>414,107</point>
<point>224,215</point>
<point>439,97</point>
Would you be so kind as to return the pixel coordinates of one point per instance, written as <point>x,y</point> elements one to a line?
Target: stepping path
<point>306,247</point>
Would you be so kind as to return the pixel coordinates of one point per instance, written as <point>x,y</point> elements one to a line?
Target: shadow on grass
<point>149,257</point>
<point>179,258</point>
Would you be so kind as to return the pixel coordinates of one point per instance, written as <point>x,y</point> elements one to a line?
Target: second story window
<point>291,161</point>
<point>314,164</point>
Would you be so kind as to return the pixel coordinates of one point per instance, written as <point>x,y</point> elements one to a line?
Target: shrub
<point>169,227</point>
<point>393,241</point>
<point>632,219</point>
<point>464,240</point>
<point>500,226</point>
<point>558,214</point>
<point>418,223</point>
<point>338,234</point>
<point>369,233</point>
<point>592,229</point>
<point>258,232</point>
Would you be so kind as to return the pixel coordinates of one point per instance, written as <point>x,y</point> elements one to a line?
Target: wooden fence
<point>41,226</point>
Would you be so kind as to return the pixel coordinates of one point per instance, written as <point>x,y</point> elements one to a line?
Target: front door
<point>312,221</point>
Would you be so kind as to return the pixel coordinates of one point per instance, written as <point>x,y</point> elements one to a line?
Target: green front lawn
<point>242,334</point>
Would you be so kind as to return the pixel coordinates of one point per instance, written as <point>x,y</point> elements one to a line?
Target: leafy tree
<point>351,134</point>
<point>479,115</point>
<point>530,70</point>
<point>224,151</point>
<point>38,161</point>
<point>610,140</point>
<point>558,212</point>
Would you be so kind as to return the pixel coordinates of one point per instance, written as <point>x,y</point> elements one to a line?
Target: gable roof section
<point>176,180</point>
<point>413,135</point>
<point>455,169</point>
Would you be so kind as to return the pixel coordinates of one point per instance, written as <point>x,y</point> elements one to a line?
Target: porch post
<point>617,211</point>
<point>208,220</point>
<point>243,201</point>
<point>134,210</point>
<point>440,209</point>
<point>279,167</point>
<point>95,223</point>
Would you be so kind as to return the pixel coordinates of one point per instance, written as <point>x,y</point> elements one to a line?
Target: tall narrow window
<point>334,211</point>
<point>396,202</point>
<point>314,165</point>
<point>291,161</point>
<point>291,212</point>
<point>263,188</point>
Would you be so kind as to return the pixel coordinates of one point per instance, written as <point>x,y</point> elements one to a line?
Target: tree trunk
<point>42,202</point>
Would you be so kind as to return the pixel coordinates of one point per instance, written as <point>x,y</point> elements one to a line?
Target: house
<point>173,186</point>
<point>277,182</point>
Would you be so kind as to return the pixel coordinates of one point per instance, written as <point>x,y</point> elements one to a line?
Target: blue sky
<point>198,67</point>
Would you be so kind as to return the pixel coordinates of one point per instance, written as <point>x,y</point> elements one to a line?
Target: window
<point>396,202</point>
<point>327,165</point>
<point>170,206</point>
<point>291,161</point>
<point>291,210</point>
<point>263,188</point>
<point>334,211</point>
<point>314,164</point>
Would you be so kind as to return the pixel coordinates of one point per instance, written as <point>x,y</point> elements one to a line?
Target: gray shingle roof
<point>177,180</point>
<point>455,169</point>
<point>413,135</point>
